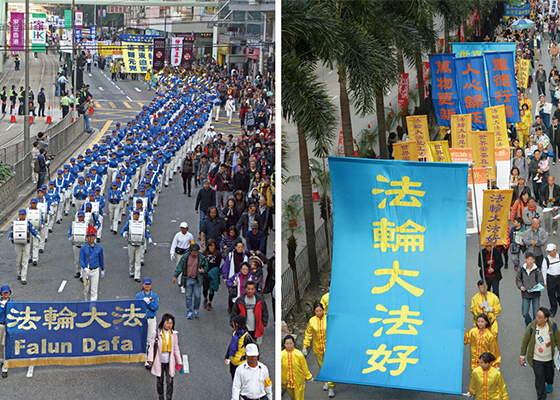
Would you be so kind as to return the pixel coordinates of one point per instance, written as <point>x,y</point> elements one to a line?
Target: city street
<point>203,340</point>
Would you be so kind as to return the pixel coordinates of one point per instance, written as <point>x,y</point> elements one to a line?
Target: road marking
<point>129,99</point>
<point>140,104</point>
<point>112,104</point>
<point>331,72</point>
<point>30,371</point>
<point>97,104</point>
<point>9,127</point>
<point>138,90</point>
<point>102,131</point>
<point>186,363</point>
<point>61,288</point>
<point>334,97</point>
<point>126,104</point>
<point>100,88</point>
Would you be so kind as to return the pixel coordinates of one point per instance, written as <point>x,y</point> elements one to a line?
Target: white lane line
<point>334,97</point>
<point>186,363</point>
<point>61,288</point>
<point>138,90</point>
<point>100,88</point>
<point>30,371</point>
<point>129,99</point>
<point>10,126</point>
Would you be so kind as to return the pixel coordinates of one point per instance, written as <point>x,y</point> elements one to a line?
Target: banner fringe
<point>111,358</point>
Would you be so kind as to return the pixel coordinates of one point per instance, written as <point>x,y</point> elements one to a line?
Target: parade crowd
<point>115,187</point>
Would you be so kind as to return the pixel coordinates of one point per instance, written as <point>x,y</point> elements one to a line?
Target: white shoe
<point>554,232</point>
<point>331,392</point>
<point>536,178</point>
<point>182,289</point>
<point>326,386</point>
<point>539,181</point>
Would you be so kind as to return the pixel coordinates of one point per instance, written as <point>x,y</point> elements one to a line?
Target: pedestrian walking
<point>235,354</point>
<point>164,355</point>
<point>211,279</point>
<point>152,305</point>
<point>294,370</point>
<point>41,99</point>
<point>91,261</point>
<point>528,276</point>
<point>540,340</point>
<point>551,276</point>
<point>192,265</point>
<point>20,235</point>
<point>487,381</point>
<point>252,380</point>
<point>253,307</point>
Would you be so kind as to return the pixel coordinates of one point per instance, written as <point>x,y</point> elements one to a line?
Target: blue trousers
<point>526,304</point>
<point>192,287</point>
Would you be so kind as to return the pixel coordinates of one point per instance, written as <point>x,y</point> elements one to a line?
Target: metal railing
<point>302,266</point>
<point>66,133</point>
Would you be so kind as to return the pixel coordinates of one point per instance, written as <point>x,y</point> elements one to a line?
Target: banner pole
<point>478,228</point>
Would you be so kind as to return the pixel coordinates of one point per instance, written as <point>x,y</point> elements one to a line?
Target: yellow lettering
<point>103,346</point>
<point>115,342</point>
<point>20,344</point>
<point>53,347</point>
<point>33,348</point>
<point>88,345</point>
<point>43,346</point>
<point>66,347</point>
<point>126,345</point>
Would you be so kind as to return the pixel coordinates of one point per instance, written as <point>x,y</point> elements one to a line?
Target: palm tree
<point>291,210</point>
<point>308,34</point>
<point>450,13</point>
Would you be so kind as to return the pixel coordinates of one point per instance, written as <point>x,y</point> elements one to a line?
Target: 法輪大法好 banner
<point>392,223</point>
<point>137,53</point>
<point>75,333</point>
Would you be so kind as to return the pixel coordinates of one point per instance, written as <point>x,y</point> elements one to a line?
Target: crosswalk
<point>118,105</point>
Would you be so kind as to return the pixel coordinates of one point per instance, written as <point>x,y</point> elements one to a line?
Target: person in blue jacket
<point>6,292</point>
<point>152,304</point>
<point>91,261</point>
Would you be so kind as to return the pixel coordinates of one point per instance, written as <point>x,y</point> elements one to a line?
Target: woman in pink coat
<point>167,356</point>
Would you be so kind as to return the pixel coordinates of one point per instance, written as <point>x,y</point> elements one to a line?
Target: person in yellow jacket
<point>524,126</point>
<point>294,370</point>
<point>267,190</point>
<point>489,306</point>
<point>235,355</point>
<point>317,330</point>
<point>486,381</point>
<point>148,79</point>
<point>482,340</point>
<point>325,299</point>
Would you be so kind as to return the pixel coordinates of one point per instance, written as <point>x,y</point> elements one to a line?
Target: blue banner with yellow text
<point>471,84</point>
<point>444,87</point>
<point>502,84</point>
<point>511,10</point>
<point>394,270</point>
<point>468,49</point>
<point>75,333</point>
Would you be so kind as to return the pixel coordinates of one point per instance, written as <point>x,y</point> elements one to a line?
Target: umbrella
<point>523,24</point>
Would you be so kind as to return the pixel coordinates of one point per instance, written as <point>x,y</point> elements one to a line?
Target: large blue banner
<point>394,269</point>
<point>501,83</point>
<point>75,333</point>
<point>444,87</point>
<point>467,49</point>
<point>511,10</point>
<point>473,95</point>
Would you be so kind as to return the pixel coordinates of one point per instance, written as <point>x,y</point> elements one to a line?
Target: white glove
<point>150,241</point>
<point>70,238</point>
<point>125,234</point>
<point>87,272</point>
<point>102,273</point>
<point>489,309</point>
<point>484,304</point>
<point>311,379</point>
<point>172,256</point>
<point>146,300</point>
<point>304,351</point>
<point>468,394</point>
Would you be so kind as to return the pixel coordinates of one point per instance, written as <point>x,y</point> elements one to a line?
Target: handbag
<point>232,291</point>
<point>180,251</point>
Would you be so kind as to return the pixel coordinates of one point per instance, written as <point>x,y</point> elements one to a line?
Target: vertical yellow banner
<point>439,151</point>
<point>405,151</point>
<point>495,210</point>
<point>524,72</point>
<point>496,122</point>
<point>418,131</point>
<point>484,151</point>
<point>461,131</point>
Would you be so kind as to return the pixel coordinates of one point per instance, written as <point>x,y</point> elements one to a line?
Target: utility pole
<point>26,127</point>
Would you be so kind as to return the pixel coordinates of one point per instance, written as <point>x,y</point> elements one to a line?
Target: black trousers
<point>168,381</point>
<point>493,285</point>
<point>541,88</point>
<point>544,373</point>
<point>41,112</point>
<point>206,288</point>
<point>65,110</point>
<point>539,260</point>
<point>232,369</point>
<point>187,181</point>
<point>553,289</point>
